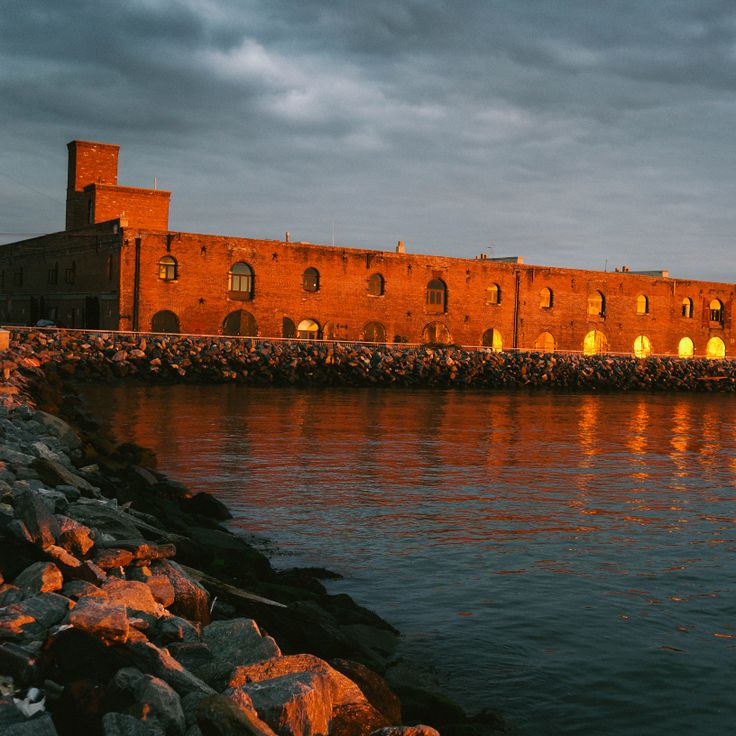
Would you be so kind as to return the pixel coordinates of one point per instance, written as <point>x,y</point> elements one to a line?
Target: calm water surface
<point>567,559</point>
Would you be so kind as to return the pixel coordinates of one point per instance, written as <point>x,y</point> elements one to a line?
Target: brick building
<point>118,266</point>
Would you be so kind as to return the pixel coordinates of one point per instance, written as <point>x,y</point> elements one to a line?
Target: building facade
<point>118,266</point>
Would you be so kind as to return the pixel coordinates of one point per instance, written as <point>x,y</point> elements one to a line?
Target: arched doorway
<point>240,324</point>
<point>686,349</point>
<point>715,348</point>
<point>308,329</point>
<point>595,343</point>
<point>165,321</point>
<point>642,346</point>
<point>492,339</point>
<point>435,333</point>
<point>288,328</point>
<point>545,343</point>
<point>374,332</point>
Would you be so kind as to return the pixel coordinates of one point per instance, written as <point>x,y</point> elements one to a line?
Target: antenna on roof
<point>333,233</point>
<point>155,183</point>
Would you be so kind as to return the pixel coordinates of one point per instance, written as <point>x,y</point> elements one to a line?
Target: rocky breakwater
<point>171,358</point>
<point>126,608</point>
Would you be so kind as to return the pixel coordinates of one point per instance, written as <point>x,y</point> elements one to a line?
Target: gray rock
<point>59,428</point>
<point>105,517</point>
<point>54,473</point>
<point>298,704</point>
<point>39,521</point>
<point>42,450</point>
<point>15,457</point>
<point>71,492</point>
<point>40,577</point>
<point>220,716</point>
<point>154,698</point>
<point>41,725</point>
<point>122,724</point>
<point>33,616</point>
<point>191,600</point>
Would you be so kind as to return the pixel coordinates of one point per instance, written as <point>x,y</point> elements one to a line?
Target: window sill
<point>239,296</point>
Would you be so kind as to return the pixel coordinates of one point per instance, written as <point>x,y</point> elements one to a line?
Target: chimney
<point>400,247</point>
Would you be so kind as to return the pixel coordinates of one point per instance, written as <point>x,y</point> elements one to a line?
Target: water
<point>567,559</point>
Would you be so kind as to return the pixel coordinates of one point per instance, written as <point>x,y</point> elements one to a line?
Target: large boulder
<point>218,715</point>
<point>54,473</point>
<point>122,724</point>
<point>59,428</point>
<point>103,619</point>
<point>137,597</point>
<point>373,686</point>
<point>297,704</point>
<point>41,577</point>
<point>102,515</point>
<point>191,600</point>
<point>33,617</point>
<point>37,518</point>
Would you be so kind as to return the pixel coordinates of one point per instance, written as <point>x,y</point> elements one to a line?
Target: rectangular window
<point>18,277</point>
<point>53,276</point>
<point>70,274</point>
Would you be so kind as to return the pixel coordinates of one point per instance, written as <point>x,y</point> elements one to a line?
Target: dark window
<point>167,269</point>
<point>493,294</point>
<point>165,321</point>
<point>716,310</point>
<point>311,279</point>
<point>240,281</point>
<point>687,308</point>
<point>596,304</point>
<point>90,212</point>
<point>108,267</point>
<point>436,295</point>
<point>70,274</point>
<point>18,277</point>
<point>375,285</point>
<point>642,304</point>
<point>53,275</point>
<point>545,298</point>
<point>240,323</point>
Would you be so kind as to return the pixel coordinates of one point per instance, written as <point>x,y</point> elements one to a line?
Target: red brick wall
<point>200,298</point>
<point>143,208</point>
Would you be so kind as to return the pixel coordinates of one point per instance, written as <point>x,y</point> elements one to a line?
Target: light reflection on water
<point>568,559</point>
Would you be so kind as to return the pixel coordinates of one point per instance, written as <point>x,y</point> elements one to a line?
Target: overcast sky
<point>569,132</point>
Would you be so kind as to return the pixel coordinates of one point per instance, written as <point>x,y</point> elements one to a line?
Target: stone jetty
<point>173,358</point>
<point>127,608</point>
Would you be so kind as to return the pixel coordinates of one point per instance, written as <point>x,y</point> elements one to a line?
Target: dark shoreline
<point>238,577</point>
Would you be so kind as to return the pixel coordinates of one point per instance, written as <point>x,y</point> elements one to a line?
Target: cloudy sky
<point>571,132</point>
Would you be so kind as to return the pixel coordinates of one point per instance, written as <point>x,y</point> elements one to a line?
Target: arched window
<point>492,339</point>
<point>686,349</point>
<point>594,343</point>
<point>596,304</point>
<point>715,348</point>
<point>374,332</point>
<point>545,298</point>
<point>240,324</point>
<point>288,328</point>
<point>436,296</point>
<point>311,280</point>
<point>435,333</point>
<point>308,329</point>
<point>642,346</point>
<point>642,304</point>
<point>687,308</point>
<point>167,269</point>
<point>493,294</point>
<point>240,282</point>
<point>165,321</point>
<point>716,310</point>
<point>375,285</point>
<point>545,343</point>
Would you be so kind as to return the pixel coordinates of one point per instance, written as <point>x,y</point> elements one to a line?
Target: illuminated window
<point>545,298</point>
<point>545,343</point>
<point>716,310</point>
<point>310,280</point>
<point>642,304</point>
<point>492,339</point>
<point>374,332</point>
<point>375,285</point>
<point>240,323</point>
<point>715,348</point>
<point>686,349</point>
<point>493,294</point>
<point>687,308</point>
<point>595,343</point>
<point>165,321</point>
<point>167,269</point>
<point>308,329</point>
<point>642,346</point>
<point>596,304</point>
<point>436,295</point>
<point>240,282</point>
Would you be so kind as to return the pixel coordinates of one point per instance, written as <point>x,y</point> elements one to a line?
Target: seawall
<point>173,358</point>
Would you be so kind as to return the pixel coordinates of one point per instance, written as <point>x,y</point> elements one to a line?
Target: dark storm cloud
<point>570,132</point>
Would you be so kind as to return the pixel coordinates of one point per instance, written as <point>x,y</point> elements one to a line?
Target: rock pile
<point>127,609</point>
<point>112,356</point>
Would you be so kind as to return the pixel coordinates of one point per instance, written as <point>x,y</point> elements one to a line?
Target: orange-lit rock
<point>102,619</point>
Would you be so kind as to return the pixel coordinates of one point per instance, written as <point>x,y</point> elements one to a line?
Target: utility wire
<point>33,189</point>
